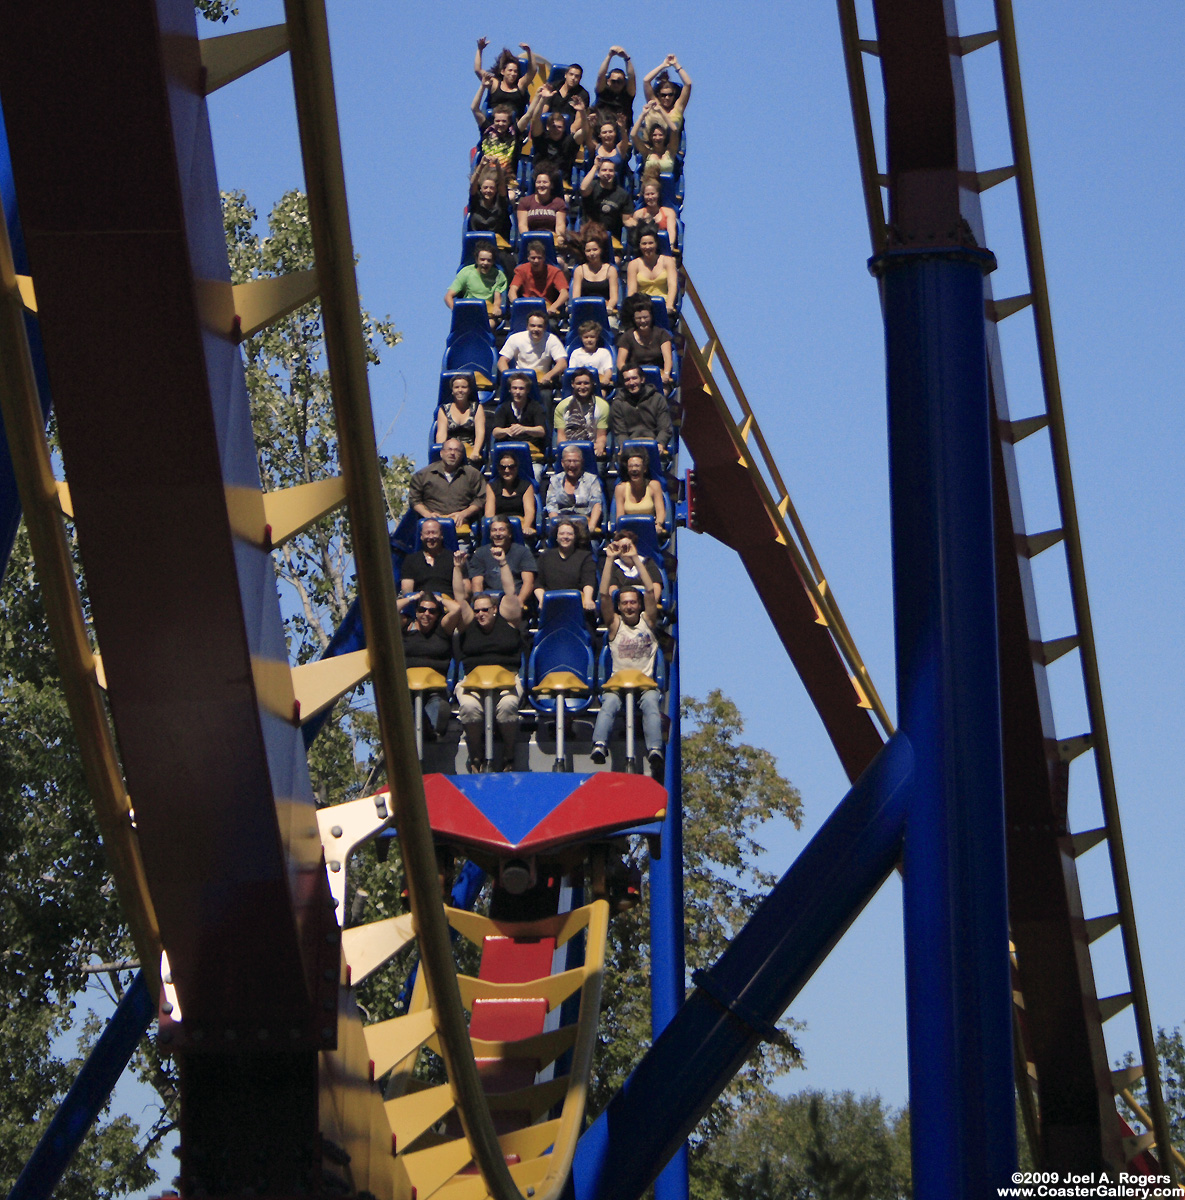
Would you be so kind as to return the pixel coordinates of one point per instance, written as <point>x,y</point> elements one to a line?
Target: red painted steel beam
<point>115,175</point>
<point>730,508</point>
<point>930,165</point>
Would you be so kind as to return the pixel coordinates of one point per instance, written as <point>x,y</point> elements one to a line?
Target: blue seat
<point>444,393</point>
<point>642,446</point>
<point>585,448</point>
<point>470,317</point>
<point>472,353</point>
<point>403,539</point>
<point>645,536</point>
<point>525,240</point>
<point>521,309</point>
<point>562,644</point>
<point>448,532</point>
<point>471,242</point>
<point>589,308</point>
<point>526,467</point>
<point>672,189</point>
<point>516,530</point>
<point>653,376</point>
<point>503,394</point>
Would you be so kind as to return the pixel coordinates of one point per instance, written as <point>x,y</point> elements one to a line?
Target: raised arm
<point>648,601</point>
<point>636,140</point>
<point>511,607</point>
<point>590,177</point>
<point>475,107</point>
<point>452,614</point>
<point>534,114</point>
<point>603,72</point>
<point>478,69</point>
<point>529,73</point>
<point>465,615</point>
<point>685,94</point>
<point>649,77</point>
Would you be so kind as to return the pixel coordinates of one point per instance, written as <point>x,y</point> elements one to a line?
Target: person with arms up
<point>501,137</point>
<point>553,146</point>
<point>623,574</point>
<point>449,488</point>
<point>569,98</point>
<point>575,492</point>
<point>633,646</point>
<point>616,89</point>
<point>659,86</point>
<point>567,566</point>
<point>491,635</point>
<point>506,83</point>
<point>428,642</point>
<point>485,572</point>
<point>583,416</point>
<point>656,139</point>
<point>480,280</point>
<point>639,412</point>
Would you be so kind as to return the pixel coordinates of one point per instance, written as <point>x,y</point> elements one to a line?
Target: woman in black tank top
<point>510,496</point>
<point>463,417</point>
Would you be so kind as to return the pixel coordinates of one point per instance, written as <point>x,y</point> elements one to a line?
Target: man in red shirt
<point>538,278</point>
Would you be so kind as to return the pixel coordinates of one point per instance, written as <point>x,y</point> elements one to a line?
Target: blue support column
<point>948,702</point>
<point>735,1005</point>
<point>668,967</point>
<point>87,1095</point>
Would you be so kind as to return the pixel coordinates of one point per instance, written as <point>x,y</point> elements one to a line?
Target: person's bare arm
<point>449,297</point>
<point>503,363</point>
<point>590,177</point>
<point>441,424</point>
<point>528,521</point>
<point>405,586</point>
<point>614,287</point>
<point>577,282</point>
<point>603,72</point>
<point>475,108</point>
<point>561,226</point>
<point>529,73</point>
<point>523,220</point>
<point>672,226</point>
<point>511,607</point>
<point>672,285</point>
<point>622,354</point>
<point>524,592</point>
<point>636,139</point>
<point>649,77</point>
<point>478,69</point>
<point>558,303</point>
<point>660,504</point>
<point>685,94</point>
<point>631,279</point>
<point>465,613</point>
<point>594,517</point>
<point>599,442</point>
<point>479,430</point>
<point>666,362</point>
<point>491,500</point>
<point>559,366</point>
<point>648,600</point>
<point>452,614</point>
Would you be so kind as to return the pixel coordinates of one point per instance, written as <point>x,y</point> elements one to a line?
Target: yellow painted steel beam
<point>474,927</point>
<point>319,684</point>
<point>390,1042</point>
<point>268,519</point>
<point>544,1047</point>
<point>261,302</point>
<point>232,55</point>
<point>555,989</point>
<point>368,947</point>
<point>782,514</point>
<point>316,110</point>
<point>416,1113</point>
<point>25,429</point>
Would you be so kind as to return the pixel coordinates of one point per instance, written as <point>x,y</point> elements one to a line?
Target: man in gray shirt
<point>449,488</point>
<point>485,570</point>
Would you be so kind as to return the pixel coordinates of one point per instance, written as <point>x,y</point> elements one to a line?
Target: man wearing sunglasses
<point>491,635</point>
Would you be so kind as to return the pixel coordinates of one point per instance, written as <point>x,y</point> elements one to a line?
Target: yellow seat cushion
<point>559,681</point>
<point>628,679</point>
<point>425,679</point>
<point>488,679</point>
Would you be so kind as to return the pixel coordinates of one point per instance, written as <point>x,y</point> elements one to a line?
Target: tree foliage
<point>811,1146</point>
<point>730,791</point>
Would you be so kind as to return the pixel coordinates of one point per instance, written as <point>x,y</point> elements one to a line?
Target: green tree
<point>730,791</point>
<point>810,1146</point>
<point>1170,1054</point>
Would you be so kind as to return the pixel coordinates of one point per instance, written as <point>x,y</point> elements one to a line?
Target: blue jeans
<point>649,701</point>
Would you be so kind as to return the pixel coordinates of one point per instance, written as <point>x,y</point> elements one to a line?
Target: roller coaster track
<point>215,843</point>
<point>147,229</point>
<point>1065,1083</point>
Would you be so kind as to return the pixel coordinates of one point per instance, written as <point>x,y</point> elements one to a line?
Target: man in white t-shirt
<point>534,349</point>
<point>632,646</point>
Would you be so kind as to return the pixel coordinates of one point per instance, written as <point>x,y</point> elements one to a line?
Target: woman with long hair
<point>637,494</point>
<point>510,496</point>
<point>463,417</point>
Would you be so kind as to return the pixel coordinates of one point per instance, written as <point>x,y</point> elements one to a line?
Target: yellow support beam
<point>368,947</point>
<point>233,55</point>
<point>321,683</point>
<point>390,1042</point>
<point>555,989</point>
<point>261,302</point>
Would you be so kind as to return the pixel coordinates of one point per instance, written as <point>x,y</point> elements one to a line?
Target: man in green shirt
<point>481,280</point>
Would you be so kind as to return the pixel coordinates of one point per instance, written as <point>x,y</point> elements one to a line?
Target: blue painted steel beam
<point>668,967</point>
<point>958,989</point>
<point>736,1003</point>
<point>87,1095</point>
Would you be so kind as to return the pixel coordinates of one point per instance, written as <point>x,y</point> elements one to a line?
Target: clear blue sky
<point>777,245</point>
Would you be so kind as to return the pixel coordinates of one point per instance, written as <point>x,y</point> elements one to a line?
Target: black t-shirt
<point>433,650</point>
<point>429,577</point>
<point>559,574</point>
<point>501,647</point>
<point>561,154</point>
<point>533,414</point>
<point>611,103</point>
<point>608,206</point>
<point>510,506</point>
<point>559,103</point>
<point>493,218</point>
<point>516,99</point>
